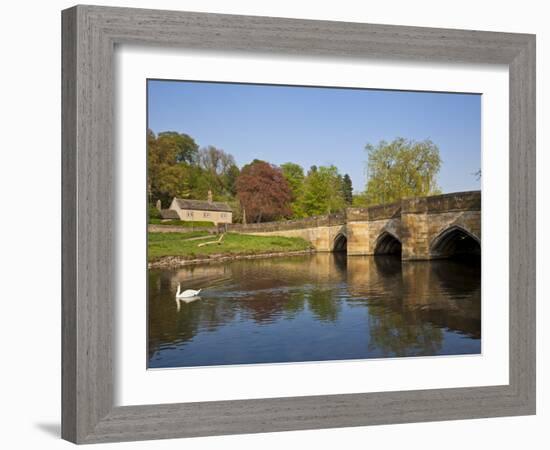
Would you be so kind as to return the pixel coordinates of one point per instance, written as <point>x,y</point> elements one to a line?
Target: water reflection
<point>312,308</point>
<point>185,300</point>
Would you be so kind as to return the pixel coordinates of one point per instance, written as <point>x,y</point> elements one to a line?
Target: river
<point>318,307</point>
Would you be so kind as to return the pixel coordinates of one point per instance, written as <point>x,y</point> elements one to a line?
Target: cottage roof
<point>169,214</point>
<point>203,205</point>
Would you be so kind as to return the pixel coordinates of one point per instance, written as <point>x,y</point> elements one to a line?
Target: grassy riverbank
<point>187,245</point>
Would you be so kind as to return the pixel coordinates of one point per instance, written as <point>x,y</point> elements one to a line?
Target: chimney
<point>209,196</point>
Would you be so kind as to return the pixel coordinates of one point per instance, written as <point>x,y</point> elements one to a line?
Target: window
<point>206,214</point>
<point>189,214</point>
<point>223,214</point>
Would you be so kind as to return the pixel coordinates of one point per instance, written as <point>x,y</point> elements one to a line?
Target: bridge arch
<point>387,243</point>
<point>455,241</point>
<point>340,243</point>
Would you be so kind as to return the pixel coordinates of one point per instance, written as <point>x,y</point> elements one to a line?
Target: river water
<point>314,308</point>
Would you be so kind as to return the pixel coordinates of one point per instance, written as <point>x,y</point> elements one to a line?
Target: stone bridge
<point>438,226</point>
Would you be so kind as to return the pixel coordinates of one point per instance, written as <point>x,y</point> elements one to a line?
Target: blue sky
<point>321,126</point>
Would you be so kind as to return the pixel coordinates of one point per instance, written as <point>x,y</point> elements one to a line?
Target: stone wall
<point>176,229</point>
<point>322,238</point>
<point>321,231</point>
<point>308,222</point>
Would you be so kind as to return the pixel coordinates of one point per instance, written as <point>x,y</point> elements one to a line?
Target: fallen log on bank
<point>218,241</point>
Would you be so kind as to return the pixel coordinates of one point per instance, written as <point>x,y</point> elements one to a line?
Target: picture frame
<point>90,34</point>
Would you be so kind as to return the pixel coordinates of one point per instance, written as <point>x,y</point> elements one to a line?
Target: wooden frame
<point>89,37</point>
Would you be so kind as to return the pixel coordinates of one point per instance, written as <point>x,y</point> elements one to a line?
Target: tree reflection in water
<point>319,307</point>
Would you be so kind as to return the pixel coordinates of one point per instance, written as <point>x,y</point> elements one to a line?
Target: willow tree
<point>401,168</point>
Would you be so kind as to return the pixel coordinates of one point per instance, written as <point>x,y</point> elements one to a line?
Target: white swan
<point>187,293</point>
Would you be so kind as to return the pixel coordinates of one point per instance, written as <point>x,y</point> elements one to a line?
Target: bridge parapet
<point>457,201</point>
<point>377,212</point>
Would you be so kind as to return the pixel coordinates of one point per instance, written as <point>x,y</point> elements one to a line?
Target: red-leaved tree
<point>263,192</point>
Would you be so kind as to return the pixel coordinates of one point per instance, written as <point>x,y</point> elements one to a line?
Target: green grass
<point>182,223</point>
<point>178,244</point>
<point>168,237</point>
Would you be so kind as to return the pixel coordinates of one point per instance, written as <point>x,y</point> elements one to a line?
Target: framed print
<point>256,209</point>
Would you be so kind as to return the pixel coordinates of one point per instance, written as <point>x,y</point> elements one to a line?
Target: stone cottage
<point>201,210</point>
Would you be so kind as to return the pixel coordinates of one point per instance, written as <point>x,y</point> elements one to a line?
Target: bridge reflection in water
<point>327,306</point>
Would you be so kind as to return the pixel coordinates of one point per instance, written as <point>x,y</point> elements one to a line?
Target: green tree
<point>166,175</point>
<point>401,168</point>
<point>347,189</point>
<point>359,200</point>
<point>322,191</point>
<point>230,180</point>
<point>219,171</point>
<point>294,175</point>
<point>215,160</point>
<point>176,168</point>
<point>173,181</point>
<point>185,147</point>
